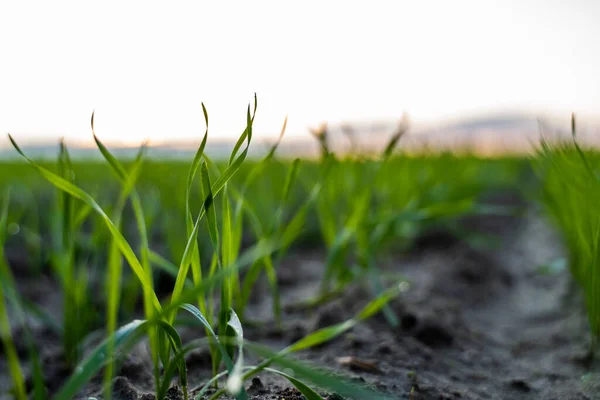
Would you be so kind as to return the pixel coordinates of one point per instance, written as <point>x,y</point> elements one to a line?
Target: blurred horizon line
<point>485,134</point>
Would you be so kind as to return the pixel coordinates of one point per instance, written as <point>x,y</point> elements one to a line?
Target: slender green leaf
<point>85,197</point>
<point>306,391</point>
<point>5,329</point>
<point>123,338</point>
<point>197,314</point>
<point>235,380</point>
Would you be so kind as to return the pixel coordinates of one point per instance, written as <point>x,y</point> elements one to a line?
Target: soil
<point>476,323</point>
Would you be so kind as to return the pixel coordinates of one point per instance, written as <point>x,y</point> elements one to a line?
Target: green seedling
<point>223,224</point>
<point>570,193</point>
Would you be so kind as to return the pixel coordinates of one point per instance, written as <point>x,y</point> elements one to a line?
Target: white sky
<point>146,66</point>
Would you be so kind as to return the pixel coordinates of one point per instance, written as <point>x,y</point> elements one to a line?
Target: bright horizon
<point>145,68</point>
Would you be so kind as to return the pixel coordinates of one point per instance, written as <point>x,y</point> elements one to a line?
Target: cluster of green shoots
<point>221,217</point>
<point>369,206</point>
<point>571,194</point>
<point>228,224</point>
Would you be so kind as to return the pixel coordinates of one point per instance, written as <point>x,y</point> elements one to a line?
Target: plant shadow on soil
<point>476,323</point>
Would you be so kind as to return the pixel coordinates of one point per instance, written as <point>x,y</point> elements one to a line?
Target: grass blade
<point>123,338</point>
<point>235,381</point>
<point>195,259</point>
<point>5,329</point>
<point>306,391</point>
<point>86,198</point>
<point>65,258</point>
<point>113,277</point>
<point>326,334</point>
<point>198,315</point>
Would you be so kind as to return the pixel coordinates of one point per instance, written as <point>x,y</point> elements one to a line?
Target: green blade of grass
<point>211,212</point>
<point>294,228</point>
<point>39,387</point>
<point>288,233</point>
<point>230,234</point>
<point>247,132</point>
<point>82,214</point>
<point>128,185</point>
<point>335,259</point>
<point>7,285</point>
<point>227,251</point>
<point>259,168</point>
<point>175,363</point>
<point>290,178</point>
<point>10,350</point>
<point>325,334</point>
<point>32,308</point>
<point>195,259</point>
<point>257,251</point>
<point>167,266</point>
<point>303,388</point>
<point>128,181</point>
<point>186,260</point>
<point>388,313</point>
<point>198,315</point>
<point>314,339</point>
<point>113,277</point>
<point>65,257</point>
<point>235,383</point>
<point>85,197</point>
<point>321,378</point>
<point>215,189</point>
<point>215,239</point>
<point>389,148</point>
<point>179,357</point>
<point>124,337</point>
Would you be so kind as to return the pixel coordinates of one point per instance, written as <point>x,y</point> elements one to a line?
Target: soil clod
<point>408,321</point>
<point>174,393</point>
<point>520,384</point>
<point>433,335</point>
<point>123,389</point>
<point>256,387</point>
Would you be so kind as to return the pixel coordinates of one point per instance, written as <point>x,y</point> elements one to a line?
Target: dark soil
<point>476,323</point>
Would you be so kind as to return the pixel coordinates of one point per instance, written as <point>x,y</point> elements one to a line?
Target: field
<point>396,276</point>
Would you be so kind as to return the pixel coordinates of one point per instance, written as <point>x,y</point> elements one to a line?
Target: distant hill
<point>484,134</point>
<point>514,133</point>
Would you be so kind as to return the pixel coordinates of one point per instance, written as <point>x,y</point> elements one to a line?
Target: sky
<point>146,66</point>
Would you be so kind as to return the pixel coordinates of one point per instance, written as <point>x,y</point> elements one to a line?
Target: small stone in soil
<point>520,384</point>
<point>291,394</point>
<point>297,332</point>
<point>256,386</point>
<point>357,364</point>
<point>384,348</point>
<point>174,393</point>
<point>330,314</point>
<point>433,335</point>
<point>446,396</point>
<point>275,332</point>
<point>408,321</point>
<point>199,358</point>
<point>133,369</point>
